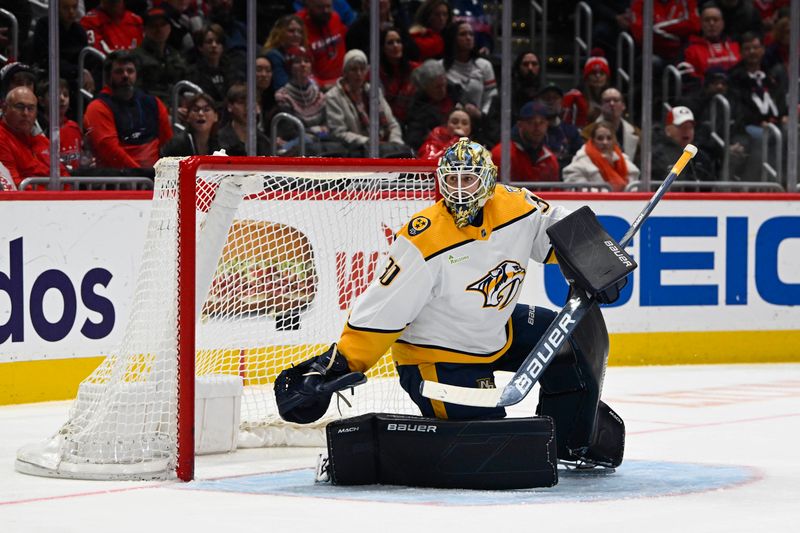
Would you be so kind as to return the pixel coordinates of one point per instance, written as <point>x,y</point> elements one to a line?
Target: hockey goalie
<point>446,304</point>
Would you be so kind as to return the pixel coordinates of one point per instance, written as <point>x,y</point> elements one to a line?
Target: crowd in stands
<point>438,80</point>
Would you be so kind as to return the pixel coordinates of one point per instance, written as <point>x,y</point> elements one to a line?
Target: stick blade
<point>460,395</point>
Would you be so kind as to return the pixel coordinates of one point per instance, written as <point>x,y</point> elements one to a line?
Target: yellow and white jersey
<point>445,294</point>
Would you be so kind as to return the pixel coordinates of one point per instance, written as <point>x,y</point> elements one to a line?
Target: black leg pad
<point>428,452</point>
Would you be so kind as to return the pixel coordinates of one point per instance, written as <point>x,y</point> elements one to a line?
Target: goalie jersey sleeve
<point>445,294</point>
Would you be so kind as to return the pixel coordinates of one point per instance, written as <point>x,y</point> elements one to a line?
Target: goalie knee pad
<point>428,452</point>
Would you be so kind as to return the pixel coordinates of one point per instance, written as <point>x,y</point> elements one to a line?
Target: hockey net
<point>283,247</point>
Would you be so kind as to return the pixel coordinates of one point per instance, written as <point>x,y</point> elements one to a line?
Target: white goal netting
<point>281,255</point>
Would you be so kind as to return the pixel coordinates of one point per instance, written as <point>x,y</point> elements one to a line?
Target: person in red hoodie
<point>125,126</point>
<point>23,155</point>
<point>111,27</point>
<point>713,49</point>
<point>531,160</point>
<point>326,33</point>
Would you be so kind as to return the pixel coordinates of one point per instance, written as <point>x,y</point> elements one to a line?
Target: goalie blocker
<point>390,449</point>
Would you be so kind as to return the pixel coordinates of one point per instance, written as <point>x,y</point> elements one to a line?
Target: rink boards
<point>718,280</point>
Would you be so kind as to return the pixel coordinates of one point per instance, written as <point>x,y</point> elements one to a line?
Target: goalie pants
<point>528,325</point>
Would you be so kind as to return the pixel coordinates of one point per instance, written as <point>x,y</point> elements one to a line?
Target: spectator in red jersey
<point>69,133</point>
<point>713,49</point>
<point>459,124</point>
<point>583,104</point>
<point>326,33</point>
<point>125,126</point>
<point>395,73</point>
<point>674,21</point>
<point>111,27</point>
<point>430,20</point>
<point>531,160</point>
<point>21,154</point>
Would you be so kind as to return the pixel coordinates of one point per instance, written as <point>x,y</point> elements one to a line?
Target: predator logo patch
<point>418,225</point>
<point>500,285</point>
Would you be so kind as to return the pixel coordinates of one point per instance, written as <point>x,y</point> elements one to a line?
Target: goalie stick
<point>554,336</point>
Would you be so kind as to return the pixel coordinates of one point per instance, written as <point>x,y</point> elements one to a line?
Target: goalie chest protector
<point>416,451</point>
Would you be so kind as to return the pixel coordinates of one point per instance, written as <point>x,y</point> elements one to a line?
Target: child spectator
<point>70,136</point>
<point>601,160</point>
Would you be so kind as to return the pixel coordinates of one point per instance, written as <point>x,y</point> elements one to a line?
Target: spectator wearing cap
<point>612,110</point>
<point>110,26</point>
<point>668,146</point>
<point>562,139</point>
<point>326,34</point>
<point>160,65</point>
<point>531,159</point>
<point>16,74</point>
<point>601,160</point>
<point>71,38</point>
<point>431,104</point>
<point>210,72</point>
<point>22,154</point>
<point>582,104</point>
<point>303,98</point>
<point>525,81</point>
<point>713,48</point>
<point>289,31</point>
<point>125,126</point>
<point>347,106</point>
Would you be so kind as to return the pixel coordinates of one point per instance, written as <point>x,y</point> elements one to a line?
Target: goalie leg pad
<point>586,429</point>
<point>428,452</point>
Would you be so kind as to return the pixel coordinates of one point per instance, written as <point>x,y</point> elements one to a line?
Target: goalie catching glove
<point>303,392</point>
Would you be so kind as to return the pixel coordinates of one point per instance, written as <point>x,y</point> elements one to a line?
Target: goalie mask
<point>467,179</point>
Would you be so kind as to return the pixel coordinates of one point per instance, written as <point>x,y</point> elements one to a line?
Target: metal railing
<point>626,75</point>
<point>277,119</point>
<point>723,141</point>
<point>13,39</point>
<point>767,170</point>
<point>727,186</point>
<point>83,93</point>
<point>583,17</point>
<point>670,72</point>
<point>175,94</point>
<point>539,8</point>
<point>103,183</point>
<point>577,186</point>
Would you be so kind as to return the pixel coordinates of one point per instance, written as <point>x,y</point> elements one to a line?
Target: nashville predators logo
<point>418,225</point>
<point>501,285</point>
